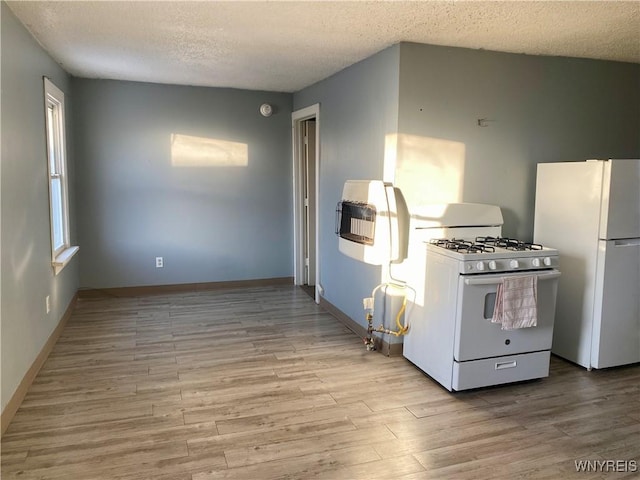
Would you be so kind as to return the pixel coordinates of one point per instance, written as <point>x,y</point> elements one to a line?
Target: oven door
<point>476,337</point>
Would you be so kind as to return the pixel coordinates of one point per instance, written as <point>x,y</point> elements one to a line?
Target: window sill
<point>63,259</point>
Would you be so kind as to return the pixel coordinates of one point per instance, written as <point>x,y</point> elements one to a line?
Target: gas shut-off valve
<point>368,303</point>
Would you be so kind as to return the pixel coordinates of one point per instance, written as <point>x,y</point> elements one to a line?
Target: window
<point>61,249</point>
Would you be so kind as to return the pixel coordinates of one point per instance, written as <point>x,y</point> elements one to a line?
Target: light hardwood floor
<point>261,383</point>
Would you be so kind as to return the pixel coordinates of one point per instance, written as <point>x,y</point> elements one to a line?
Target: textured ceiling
<point>286,46</point>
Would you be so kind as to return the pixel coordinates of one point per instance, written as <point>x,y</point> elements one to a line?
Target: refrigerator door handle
<point>626,242</point>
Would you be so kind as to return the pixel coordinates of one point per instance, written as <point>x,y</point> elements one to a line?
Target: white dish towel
<point>517,302</point>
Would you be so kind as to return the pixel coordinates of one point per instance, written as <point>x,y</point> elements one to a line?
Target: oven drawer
<point>495,371</point>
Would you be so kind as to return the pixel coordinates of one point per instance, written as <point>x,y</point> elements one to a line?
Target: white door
<point>306,166</point>
<point>616,324</point>
<point>309,194</point>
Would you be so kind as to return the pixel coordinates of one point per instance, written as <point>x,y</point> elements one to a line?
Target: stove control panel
<point>508,264</point>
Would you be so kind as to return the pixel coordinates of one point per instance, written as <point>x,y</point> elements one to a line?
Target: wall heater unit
<point>372,222</point>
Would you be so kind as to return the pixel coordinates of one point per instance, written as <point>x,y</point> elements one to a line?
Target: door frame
<point>297,117</point>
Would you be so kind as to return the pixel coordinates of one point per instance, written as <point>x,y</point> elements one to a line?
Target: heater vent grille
<point>356,222</point>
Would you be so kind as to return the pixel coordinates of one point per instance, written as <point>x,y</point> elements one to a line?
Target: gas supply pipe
<point>368,304</point>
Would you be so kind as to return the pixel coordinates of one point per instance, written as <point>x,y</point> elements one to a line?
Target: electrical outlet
<point>159,262</point>
<point>47,303</point>
<point>367,303</point>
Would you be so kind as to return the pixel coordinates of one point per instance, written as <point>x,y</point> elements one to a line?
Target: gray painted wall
<point>27,275</point>
<point>211,222</point>
<point>358,109</point>
<point>540,109</point>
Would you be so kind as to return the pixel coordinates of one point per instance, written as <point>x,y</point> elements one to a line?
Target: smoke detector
<point>266,110</point>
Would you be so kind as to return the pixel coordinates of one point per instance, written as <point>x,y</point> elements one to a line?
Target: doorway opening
<point>306,168</point>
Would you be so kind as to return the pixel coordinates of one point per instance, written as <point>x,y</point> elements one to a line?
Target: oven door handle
<point>496,280</point>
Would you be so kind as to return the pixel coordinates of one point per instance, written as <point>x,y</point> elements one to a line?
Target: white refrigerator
<point>590,212</point>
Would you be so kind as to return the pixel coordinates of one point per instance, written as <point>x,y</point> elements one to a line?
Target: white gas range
<point>462,260</point>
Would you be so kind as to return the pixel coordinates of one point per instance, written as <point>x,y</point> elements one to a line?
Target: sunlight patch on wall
<point>427,170</point>
<point>188,151</point>
<point>21,264</point>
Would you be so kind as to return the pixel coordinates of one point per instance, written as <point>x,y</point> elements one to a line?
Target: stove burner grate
<point>463,246</point>
<point>508,243</point>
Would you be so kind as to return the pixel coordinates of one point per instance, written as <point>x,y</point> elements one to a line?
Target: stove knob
<point>547,261</point>
<point>535,262</point>
<point>480,266</point>
<point>492,265</point>
<point>514,264</point>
